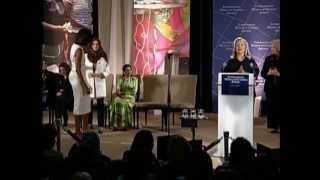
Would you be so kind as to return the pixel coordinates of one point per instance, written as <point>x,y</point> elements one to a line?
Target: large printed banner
<point>256,21</point>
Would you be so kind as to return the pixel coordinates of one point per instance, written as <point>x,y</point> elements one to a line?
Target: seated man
<point>64,94</point>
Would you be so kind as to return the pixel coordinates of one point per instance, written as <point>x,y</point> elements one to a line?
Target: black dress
<point>272,90</point>
<point>248,65</point>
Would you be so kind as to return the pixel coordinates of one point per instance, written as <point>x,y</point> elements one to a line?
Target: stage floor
<point>115,143</point>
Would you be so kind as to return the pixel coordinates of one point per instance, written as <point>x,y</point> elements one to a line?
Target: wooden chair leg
<point>173,118</point>
<point>134,117</point>
<point>109,117</point>
<point>49,115</point>
<point>167,120</point>
<point>145,118</point>
<point>105,116</point>
<point>162,119</point>
<point>138,120</point>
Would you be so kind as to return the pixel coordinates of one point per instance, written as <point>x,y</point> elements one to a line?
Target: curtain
<point>115,31</point>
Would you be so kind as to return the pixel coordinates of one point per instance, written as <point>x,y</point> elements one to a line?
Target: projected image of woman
<point>55,27</point>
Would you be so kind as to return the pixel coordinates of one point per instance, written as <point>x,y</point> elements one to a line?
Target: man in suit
<point>64,94</point>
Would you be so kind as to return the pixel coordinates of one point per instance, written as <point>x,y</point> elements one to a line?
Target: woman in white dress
<point>79,83</point>
<point>97,70</point>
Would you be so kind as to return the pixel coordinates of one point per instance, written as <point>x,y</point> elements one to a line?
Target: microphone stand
<point>169,94</point>
<point>226,138</point>
<point>170,56</point>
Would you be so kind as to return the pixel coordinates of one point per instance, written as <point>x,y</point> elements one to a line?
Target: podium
<point>235,107</point>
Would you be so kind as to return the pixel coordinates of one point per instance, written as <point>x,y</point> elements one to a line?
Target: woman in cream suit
<point>97,70</point>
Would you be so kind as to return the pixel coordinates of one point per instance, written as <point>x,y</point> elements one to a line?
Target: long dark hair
<point>94,56</point>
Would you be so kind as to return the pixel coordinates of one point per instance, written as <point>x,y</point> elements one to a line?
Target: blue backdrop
<point>258,21</point>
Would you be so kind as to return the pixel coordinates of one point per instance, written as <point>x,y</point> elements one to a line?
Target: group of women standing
<point>89,69</point>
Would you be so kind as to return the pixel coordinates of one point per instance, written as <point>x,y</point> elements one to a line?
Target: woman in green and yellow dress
<point>122,105</point>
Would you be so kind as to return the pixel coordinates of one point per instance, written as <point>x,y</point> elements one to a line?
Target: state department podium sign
<point>235,84</point>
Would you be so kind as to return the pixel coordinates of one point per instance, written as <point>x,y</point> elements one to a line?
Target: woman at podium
<point>271,73</point>
<point>241,60</point>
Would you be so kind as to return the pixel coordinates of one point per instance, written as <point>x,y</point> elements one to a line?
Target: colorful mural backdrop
<point>159,27</point>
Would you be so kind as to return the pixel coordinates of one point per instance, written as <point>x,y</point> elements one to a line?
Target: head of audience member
<point>178,148</point>
<point>127,70</point>
<point>142,142</point>
<point>201,166</point>
<point>91,140</point>
<point>83,37</point>
<point>240,49</point>
<point>242,153</point>
<point>275,47</point>
<point>83,152</point>
<point>48,135</point>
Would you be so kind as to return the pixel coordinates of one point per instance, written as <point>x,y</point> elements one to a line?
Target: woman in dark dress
<point>271,73</point>
<point>241,60</point>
